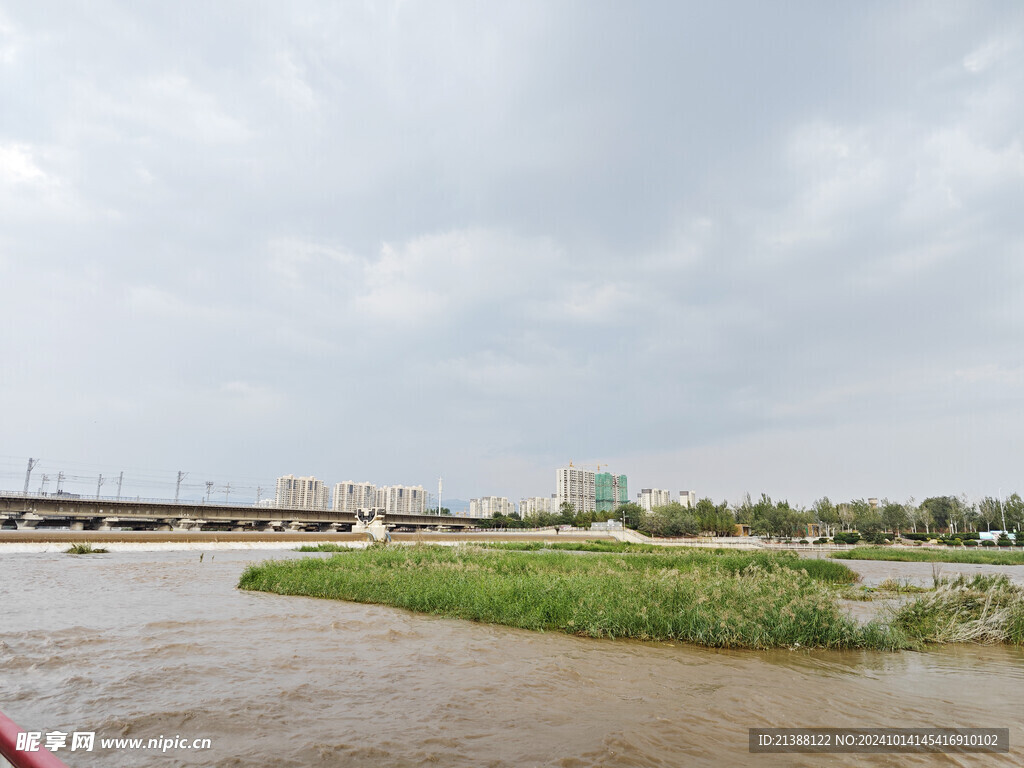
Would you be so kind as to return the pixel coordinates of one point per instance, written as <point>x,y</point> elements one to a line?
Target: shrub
<point>970,543</point>
<point>1004,542</point>
<point>988,543</point>
<point>847,538</point>
<point>803,541</point>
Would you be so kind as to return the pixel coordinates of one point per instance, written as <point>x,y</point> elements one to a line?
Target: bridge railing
<point>20,758</point>
<point>82,497</point>
<point>89,497</point>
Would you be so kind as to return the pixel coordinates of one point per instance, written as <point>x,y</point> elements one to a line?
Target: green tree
<point>990,513</point>
<point>671,520</point>
<point>940,509</point>
<point>1013,509</point>
<point>745,511</point>
<point>866,518</point>
<point>778,519</point>
<point>547,519</point>
<point>566,513</point>
<point>583,519</point>
<point>714,519</point>
<point>847,515</point>
<point>631,513</point>
<point>894,516</point>
<point>826,514</point>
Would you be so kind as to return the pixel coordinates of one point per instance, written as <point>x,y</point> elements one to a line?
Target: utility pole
<point>227,490</point>
<point>99,484</point>
<point>177,487</point>
<point>209,488</point>
<point>60,479</point>
<point>120,479</point>
<point>259,491</point>
<point>28,472</point>
<point>439,497</point>
<point>1002,512</point>
<point>42,486</point>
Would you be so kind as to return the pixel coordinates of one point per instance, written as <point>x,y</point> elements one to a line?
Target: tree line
<point>764,517</point>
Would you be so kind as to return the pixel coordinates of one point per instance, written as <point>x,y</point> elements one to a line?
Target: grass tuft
<point>981,609</point>
<point>327,547</point>
<point>84,549</point>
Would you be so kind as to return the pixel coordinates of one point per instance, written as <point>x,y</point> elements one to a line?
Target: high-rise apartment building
<point>349,496</point>
<point>402,499</point>
<point>534,505</point>
<point>610,491</point>
<point>575,486</point>
<point>649,498</point>
<point>301,493</point>
<point>688,499</point>
<point>489,506</point>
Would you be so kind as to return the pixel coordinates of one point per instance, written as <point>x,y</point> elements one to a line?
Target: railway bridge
<point>22,511</point>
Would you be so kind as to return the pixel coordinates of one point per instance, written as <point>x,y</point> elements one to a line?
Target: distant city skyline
<point>82,479</point>
<point>755,248</point>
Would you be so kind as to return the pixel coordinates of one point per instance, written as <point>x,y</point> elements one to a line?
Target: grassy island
<point>711,598</point>
<point>948,555</point>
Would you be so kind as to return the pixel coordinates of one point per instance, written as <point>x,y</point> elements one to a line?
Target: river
<point>161,644</point>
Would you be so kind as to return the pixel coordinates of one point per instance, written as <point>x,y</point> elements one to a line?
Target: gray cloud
<point>397,240</point>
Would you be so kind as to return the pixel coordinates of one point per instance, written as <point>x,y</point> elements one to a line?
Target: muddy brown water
<point>151,644</point>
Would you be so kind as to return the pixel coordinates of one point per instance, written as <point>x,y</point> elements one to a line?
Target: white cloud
<point>987,55</point>
<point>10,41</point>
<point>18,167</point>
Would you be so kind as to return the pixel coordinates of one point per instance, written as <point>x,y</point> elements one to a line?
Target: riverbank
<point>978,556</point>
<point>51,540</point>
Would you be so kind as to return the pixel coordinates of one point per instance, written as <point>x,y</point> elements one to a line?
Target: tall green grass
<point>688,558</point>
<point>977,556</point>
<point>323,547</point>
<point>982,609</point>
<point>752,600</point>
<point>591,545</point>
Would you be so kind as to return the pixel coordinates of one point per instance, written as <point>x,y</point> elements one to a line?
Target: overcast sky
<point>719,246</point>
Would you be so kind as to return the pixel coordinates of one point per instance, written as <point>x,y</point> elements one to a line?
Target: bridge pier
<point>26,523</point>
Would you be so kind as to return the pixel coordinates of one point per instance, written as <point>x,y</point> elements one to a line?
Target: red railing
<point>9,731</point>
